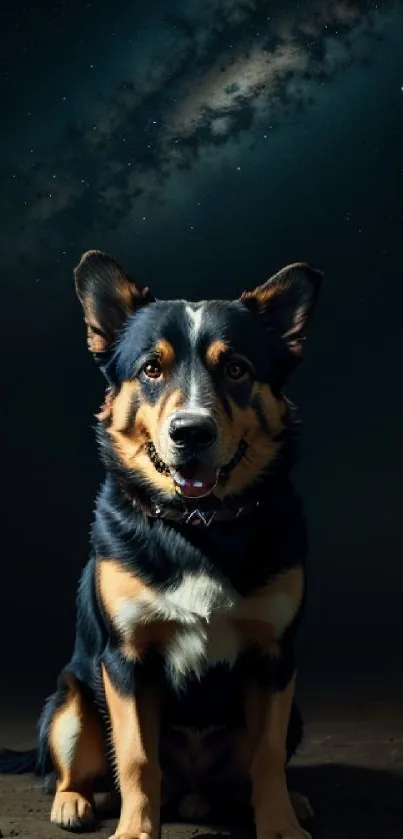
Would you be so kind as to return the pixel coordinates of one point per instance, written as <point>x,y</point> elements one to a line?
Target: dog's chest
<point>202,622</point>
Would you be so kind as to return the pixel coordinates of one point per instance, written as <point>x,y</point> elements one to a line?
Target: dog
<point>181,683</point>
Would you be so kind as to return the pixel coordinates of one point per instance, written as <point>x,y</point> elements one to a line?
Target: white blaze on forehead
<point>195,312</point>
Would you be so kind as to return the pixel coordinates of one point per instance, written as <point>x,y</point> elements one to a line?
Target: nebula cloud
<point>210,77</point>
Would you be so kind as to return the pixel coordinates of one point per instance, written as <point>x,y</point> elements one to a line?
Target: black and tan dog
<point>183,672</point>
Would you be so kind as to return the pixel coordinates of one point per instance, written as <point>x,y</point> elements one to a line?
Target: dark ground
<point>351,767</point>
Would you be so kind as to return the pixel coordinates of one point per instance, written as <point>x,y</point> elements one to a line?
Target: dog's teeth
<point>197,484</point>
<point>178,478</point>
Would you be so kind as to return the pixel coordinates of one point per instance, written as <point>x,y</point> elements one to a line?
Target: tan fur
<point>262,448</point>
<point>116,583</point>
<point>121,407</point>
<point>129,441</point>
<point>78,750</point>
<point>261,618</point>
<point>289,583</point>
<point>135,723</point>
<point>116,586</point>
<point>214,352</point>
<point>267,717</point>
<point>166,355</point>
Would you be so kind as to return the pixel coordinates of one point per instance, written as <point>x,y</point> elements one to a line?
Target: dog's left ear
<point>286,302</point>
<point>108,297</point>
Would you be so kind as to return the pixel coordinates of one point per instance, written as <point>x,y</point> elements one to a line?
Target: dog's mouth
<point>194,479</point>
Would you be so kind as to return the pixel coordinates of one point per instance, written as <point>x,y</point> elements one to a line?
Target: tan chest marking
<point>199,623</point>
<point>262,618</point>
<point>130,605</point>
<point>275,604</point>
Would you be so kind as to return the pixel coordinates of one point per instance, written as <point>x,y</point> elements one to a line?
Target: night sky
<point>205,144</point>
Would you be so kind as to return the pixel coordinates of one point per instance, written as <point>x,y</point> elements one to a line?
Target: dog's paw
<point>128,835</point>
<point>302,806</point>
<point>193,806</point>
<point>284,831</point>
<point>72,811</point>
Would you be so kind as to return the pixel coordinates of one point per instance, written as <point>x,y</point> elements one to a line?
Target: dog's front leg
<point>267,719</point>
<point>135,726</point>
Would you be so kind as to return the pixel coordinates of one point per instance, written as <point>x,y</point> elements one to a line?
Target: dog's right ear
<point>108,297</point>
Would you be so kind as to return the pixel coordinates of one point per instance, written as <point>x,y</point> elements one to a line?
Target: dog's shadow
<point>349,802</point>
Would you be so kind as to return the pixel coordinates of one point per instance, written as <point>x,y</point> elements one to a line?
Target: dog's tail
<point>17,763</point>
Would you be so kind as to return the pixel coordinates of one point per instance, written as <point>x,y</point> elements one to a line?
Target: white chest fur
<point>208,615</point>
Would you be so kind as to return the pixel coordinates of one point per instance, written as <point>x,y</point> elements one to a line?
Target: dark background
<point>204,145</point>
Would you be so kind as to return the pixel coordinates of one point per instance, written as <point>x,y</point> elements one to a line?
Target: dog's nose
<point>192,430</point>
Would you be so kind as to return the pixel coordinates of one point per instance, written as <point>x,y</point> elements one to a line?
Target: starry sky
<point>205,144</point>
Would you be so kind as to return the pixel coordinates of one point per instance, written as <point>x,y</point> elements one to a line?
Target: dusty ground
<point>351,766</point>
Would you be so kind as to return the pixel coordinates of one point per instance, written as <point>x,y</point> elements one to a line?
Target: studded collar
<point>195,516</point>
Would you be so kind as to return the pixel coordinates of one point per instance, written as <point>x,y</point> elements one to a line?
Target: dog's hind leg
<point>72,730</point>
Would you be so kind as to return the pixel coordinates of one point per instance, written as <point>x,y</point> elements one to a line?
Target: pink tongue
<point>196,479</point>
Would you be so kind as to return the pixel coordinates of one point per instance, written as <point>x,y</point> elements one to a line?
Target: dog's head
<point>195,406</point>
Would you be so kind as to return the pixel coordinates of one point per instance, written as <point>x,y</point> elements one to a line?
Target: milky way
<point>184,95</point>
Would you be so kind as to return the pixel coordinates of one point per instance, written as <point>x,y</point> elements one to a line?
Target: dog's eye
<point>153,369</point>
<point>236,370</point>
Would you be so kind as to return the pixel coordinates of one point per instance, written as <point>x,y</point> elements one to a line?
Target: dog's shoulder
<point>91,630</point>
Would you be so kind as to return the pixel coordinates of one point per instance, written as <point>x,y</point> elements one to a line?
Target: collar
<point>195,516</point>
